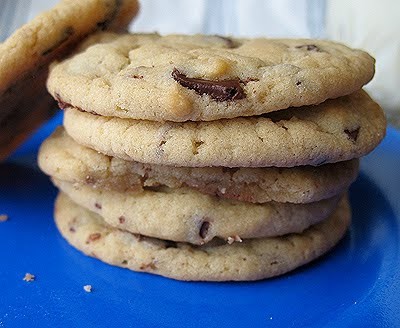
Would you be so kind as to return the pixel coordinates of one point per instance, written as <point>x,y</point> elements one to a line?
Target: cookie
<point>336,130</point>
<point>25,56</point>
<point>203,78</point>
<point>189,216</point>
<point>61,157</point>
<point>252,259</point>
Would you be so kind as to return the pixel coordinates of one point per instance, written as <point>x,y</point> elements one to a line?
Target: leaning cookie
<point>337,130</point>
<point>189,216</point>
<point>62,158</point>
<point>252,259</point>
<point>203,78</point>
<point>26,55</point>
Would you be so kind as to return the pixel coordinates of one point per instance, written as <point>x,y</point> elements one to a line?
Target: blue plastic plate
<point>355,285</point>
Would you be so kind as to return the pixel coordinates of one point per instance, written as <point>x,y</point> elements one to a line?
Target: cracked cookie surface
<point>336,130</point>
<point>251,259</point>
<point>62,158</point>
<point>203,78</point>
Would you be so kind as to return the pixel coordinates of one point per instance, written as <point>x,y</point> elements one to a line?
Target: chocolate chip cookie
<point>189,216</point>
<point>25,56</point>
<point>251,259</point>
<point>203,78</point>
<point>336,130</point>
<point>64,159</point>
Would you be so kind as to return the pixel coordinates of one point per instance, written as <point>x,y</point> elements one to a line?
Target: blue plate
<point>355,285</point>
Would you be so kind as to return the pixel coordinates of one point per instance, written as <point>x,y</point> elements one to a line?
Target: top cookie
<point>204,78</point>
<point>25,56</point>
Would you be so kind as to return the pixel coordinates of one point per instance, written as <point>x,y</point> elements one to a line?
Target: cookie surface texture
<point>252,259</point>
<point>64,159</point>
<point>189,216</point>
<point>336,130</point>
<point>26,55</point>
<point>203,78</point>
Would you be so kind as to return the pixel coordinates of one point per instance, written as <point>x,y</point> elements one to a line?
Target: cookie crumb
<point>29,277</point>
<point>223,190</point>
<point>234,238</point>
<point>87,288</point>
<point>3,217</point>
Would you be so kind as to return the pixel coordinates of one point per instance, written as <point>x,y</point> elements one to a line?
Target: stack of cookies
<point>206,157</point>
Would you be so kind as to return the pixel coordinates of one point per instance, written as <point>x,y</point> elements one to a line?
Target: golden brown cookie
<point>62,158</point>
<point>189,216</point>
<point>205,77</point>
<point>252,259</point>
<point>336,130</point>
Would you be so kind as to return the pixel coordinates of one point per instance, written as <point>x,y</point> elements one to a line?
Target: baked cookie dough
<point>251,259</point>
<point>337,130</point>
<point>64,159</point>
<point>189,216</point>
<point>203,78</point>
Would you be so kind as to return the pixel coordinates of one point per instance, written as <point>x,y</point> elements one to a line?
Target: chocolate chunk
<point>217,90</point>
<point>204,229</point>
<point>196,144</point>
<point>89,180</point>
<point>353,134</point>
<point>93,237</point>
<point>121,219</point>
<point>309,47</point>
<point>97,205</point>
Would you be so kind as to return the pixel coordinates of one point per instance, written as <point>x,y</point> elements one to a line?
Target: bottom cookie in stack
<point>196,223</point>
<point>251,259</point>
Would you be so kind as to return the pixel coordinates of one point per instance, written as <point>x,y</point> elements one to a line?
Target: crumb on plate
<point>87,288</point>
<point>29,277</point>
<point>3,217</point>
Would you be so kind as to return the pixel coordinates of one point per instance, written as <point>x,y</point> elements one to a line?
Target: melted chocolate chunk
<point>204,229</point>
<point>217,90</point>
<point>308,47</point>
<point>353,134</point>
<point>97,205</point>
